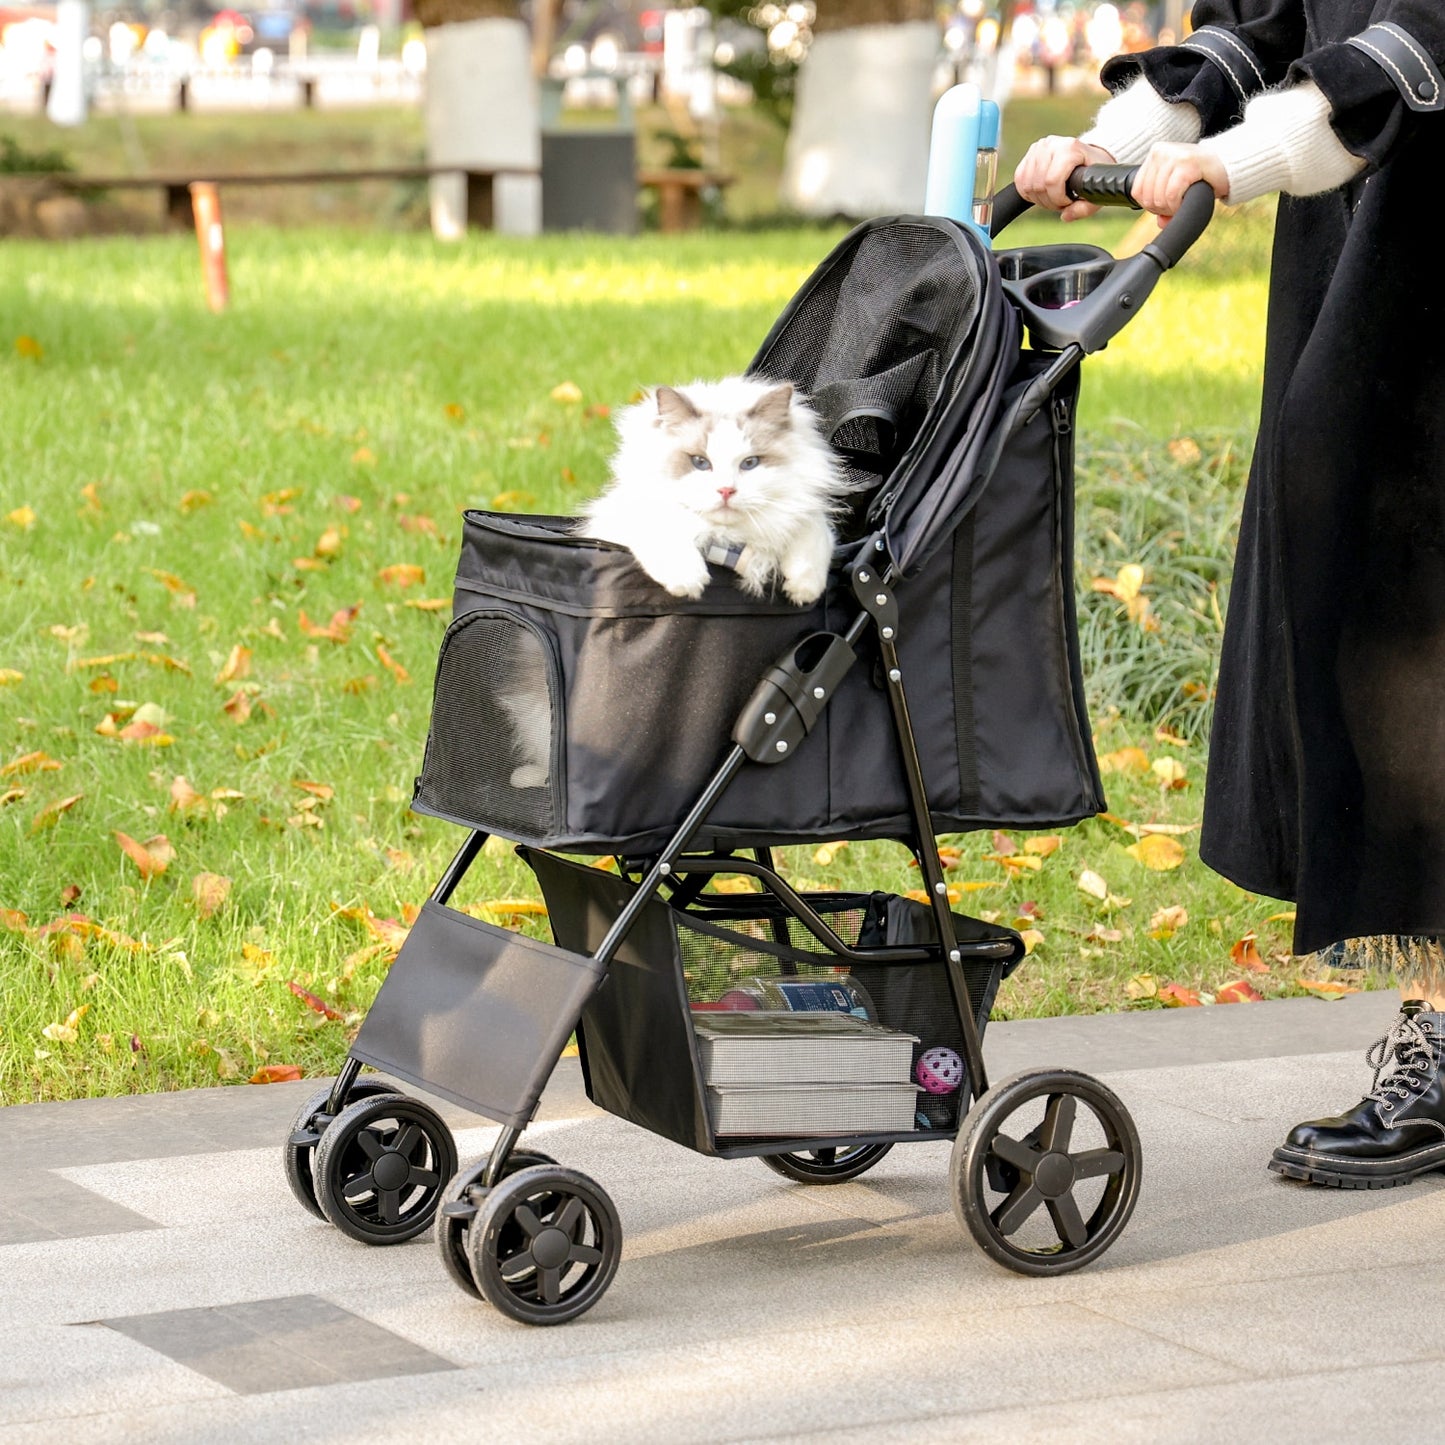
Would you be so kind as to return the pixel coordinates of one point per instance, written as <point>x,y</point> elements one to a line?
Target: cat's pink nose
<point>727,494</point>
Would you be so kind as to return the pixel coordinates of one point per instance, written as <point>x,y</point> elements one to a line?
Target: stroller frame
<point>568,1228</point>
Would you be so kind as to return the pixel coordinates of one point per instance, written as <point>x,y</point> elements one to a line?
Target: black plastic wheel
<point>1042,1189</point>
<point>830,1164</point>
<point>299,1150</point>
<point>458,1207</point>
<point>381,1166</point>
<point>544,1245</point>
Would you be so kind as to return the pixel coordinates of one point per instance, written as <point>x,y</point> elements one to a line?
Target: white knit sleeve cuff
<point>1138,116</point>
<point>1284,143</point>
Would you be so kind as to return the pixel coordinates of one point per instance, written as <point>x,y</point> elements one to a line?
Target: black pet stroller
<point>935,687</point>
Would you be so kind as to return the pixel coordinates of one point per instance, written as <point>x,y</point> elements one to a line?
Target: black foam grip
<point>1103,185</point>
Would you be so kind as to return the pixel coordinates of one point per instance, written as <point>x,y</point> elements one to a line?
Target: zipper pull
<point>1059,417</point>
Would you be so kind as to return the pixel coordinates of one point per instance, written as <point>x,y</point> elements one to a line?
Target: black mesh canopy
<point>904,341</point>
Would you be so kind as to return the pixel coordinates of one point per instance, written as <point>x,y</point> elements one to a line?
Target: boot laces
<point>1403,1061</point>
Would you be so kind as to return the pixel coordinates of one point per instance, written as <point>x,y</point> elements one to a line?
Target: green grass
<point>415,379</point>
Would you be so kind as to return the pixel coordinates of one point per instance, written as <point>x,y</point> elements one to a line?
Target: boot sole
<point>1356,1173</point>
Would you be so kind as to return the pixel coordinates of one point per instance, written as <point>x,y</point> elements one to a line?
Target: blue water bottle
<point>963,158</point>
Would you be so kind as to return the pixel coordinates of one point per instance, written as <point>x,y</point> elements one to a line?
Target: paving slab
<point>159,1283</point>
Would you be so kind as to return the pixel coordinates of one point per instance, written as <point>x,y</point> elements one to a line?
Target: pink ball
<point>940,1071</point>
<point>736,1000</point>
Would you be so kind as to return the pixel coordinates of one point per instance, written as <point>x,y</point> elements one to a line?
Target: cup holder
<point>1057,290</point>
<point>1026,261</point>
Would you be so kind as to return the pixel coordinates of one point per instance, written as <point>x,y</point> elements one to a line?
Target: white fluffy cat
<point>737,464</point>
<point>733,464</point>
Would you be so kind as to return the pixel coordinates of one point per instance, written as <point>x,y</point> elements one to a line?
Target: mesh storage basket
<point>639,1050</point>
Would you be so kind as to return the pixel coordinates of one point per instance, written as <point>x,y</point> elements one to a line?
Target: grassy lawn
<point>186,503</point>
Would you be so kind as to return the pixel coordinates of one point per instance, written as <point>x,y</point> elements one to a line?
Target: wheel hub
<point>550,1248</point>
<point>1054,1175</point>
<point>390,1171</point>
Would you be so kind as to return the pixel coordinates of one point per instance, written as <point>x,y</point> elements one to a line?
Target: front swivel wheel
<point>544,1245</point>
<point>1047,1174</point>
<point>380,1168</point>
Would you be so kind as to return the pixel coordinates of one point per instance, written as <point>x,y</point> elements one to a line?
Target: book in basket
<point>801,1048</point>
<point>791,1111</point>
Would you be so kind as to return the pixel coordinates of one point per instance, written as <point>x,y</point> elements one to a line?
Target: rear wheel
<point>829,1164</point>
<point>1048,1173</point>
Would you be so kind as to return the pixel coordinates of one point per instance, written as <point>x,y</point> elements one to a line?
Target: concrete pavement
<point>158,1283</point>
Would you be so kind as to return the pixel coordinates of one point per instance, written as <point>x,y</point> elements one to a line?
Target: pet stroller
<point>934,687</point>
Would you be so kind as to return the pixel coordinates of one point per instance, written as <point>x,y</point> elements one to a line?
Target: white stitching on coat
<point>1243,49</point>
<point>1221,62</point>
<point>1382,58</point>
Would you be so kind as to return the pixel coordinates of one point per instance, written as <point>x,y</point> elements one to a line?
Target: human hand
<point>1169,170</point>
<point>1042,175</point>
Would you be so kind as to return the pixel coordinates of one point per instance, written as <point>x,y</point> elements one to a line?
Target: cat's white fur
<point>771,485</point>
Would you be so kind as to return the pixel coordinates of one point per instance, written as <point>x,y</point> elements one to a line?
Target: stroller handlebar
<point>1113,300</point>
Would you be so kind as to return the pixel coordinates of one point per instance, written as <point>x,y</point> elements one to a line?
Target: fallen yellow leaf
<point>1125,760</point>
<point>52,811</point>
<point>401,574</point>
<point>567,392</point>
<point>1156,852</point>
<point>9,677</point>
<point>1044,847</point>
<point>1093,884</point>
<point>22,517</point>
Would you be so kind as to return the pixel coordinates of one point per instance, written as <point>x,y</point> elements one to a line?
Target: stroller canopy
<point>904,340</point>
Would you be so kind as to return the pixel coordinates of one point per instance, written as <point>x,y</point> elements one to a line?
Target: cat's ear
<point>773,406</point>
<point>673,406</point>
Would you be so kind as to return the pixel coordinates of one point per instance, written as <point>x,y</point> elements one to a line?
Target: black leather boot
<point>1397,1131</point>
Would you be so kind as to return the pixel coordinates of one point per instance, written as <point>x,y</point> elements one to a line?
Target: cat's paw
<point>755,572</point>
<point>805,586</point>
<point>682,578</point>
<point>529,775</point>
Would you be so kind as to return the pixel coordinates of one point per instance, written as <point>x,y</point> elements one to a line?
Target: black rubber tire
<point>841,1164</point>
<point>976,1155</point>
<point>574,1216</point>
<point>356,1140</point>
<point>296,1160</point>
<point>450,1231</point>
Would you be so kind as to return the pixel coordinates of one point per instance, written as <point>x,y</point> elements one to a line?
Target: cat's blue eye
<point>748,463</point>
<point>701,464</point>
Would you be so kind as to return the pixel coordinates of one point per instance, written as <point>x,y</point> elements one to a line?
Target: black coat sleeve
<point>1238,48</point>
<point>1384,84</point>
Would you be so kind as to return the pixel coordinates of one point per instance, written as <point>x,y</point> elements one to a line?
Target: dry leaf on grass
<point>277,1074</point>
<point>1156,852</point>
<point>30,763</point>
<point>315,1004</point>
<point>52,811</point>
<point>1093,884</point>
<point>1043,847</point>
<point>1326,988</point>
<point>1175,995</point>
<point>1244,954</point>
<point>237,666</point>
<point>401,574</point>
<point>1238,992</point>
<point>210,890</point>
<point>152,857</point>
<point>1125,760</point>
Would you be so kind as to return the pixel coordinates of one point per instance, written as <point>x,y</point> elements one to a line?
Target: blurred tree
<point>858,142</point>
<point>450,12</point>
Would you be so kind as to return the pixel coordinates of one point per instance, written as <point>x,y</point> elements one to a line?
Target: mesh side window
<point>493,752</point>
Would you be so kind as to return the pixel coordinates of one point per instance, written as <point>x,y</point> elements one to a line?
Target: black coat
<point>1326,776</point>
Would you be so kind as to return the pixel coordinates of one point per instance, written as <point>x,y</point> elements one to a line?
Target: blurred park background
<point>440,243</point>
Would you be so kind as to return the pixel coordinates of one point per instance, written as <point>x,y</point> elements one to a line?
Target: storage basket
<point>639,1051</point>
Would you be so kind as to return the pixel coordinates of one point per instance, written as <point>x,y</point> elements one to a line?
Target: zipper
<point>1059,422</point>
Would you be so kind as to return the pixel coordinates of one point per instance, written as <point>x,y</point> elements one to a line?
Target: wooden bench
<point>177,186</point>
<point>679,194</point>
